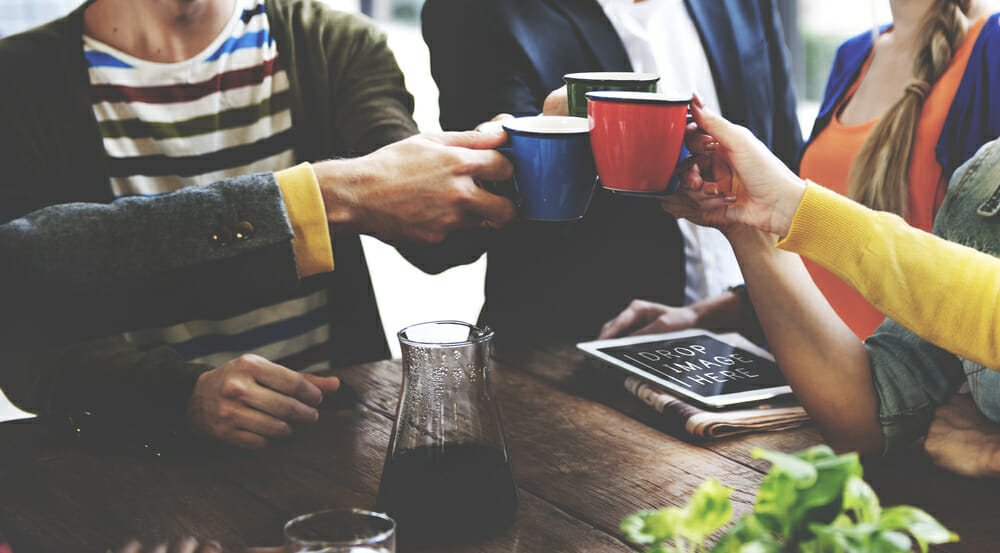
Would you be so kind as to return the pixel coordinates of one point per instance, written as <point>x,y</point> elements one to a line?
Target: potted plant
<point>813,501</point>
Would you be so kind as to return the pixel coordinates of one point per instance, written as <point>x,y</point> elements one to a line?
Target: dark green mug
<point>579,84</point>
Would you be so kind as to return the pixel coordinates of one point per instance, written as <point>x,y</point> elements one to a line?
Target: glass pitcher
<point>447,476</point>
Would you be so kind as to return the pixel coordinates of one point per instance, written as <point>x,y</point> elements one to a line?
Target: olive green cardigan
<point>348,98</point>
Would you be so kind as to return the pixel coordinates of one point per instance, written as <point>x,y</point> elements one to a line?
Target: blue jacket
<point>974,117</point>
<point>506,56</point>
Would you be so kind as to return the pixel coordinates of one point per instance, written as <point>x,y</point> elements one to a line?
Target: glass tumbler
<point>341,531</point>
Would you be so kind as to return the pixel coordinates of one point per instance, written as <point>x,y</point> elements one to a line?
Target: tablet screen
<point>698,365</point>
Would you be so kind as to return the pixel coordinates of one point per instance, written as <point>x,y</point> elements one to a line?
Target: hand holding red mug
<point>737,180</point>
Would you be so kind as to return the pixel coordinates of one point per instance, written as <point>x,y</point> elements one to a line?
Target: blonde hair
<point>880,173</point>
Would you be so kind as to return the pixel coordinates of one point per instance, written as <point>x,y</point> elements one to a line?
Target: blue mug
<point>554,171</point>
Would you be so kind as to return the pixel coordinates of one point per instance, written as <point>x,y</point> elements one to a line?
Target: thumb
<point>326,384</point>
<point>712,123</point>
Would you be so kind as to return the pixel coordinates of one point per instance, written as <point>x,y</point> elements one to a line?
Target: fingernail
<point>711,145</point>
<point>711,189</point>
<point>214,544</point>
<point>696,100</point>
<point>729,198</point>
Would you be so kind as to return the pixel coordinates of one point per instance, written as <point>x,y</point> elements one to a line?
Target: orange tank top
<point>828,158</point>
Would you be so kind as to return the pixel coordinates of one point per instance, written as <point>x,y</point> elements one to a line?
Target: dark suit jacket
<point>505,56</point>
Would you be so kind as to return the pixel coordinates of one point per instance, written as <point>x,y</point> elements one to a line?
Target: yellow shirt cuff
<point>307,214</point>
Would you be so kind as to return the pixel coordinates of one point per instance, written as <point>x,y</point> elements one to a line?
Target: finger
<point>557,102</point>
<point>692,179</point>
<point>485,138</point>
<point>713,124</point>
<point>244,439</point>
<point>286,381</point>
<point>132,546</point>
<point>654,327</point>
<point>488,165</point>
<point>686,164</point>
<point>261,423</point>
<point>629,318</point>
<point>680,206</point>
<point>185,545</point>
<point>495,209</point>
<point>722,174</point>
<point>160,548</point>
<point>279,405</point>
<point>211,546</point>
<point>264,550</point>
<point>701,143</point>
<point>492,124</point>
<point>326,384</point>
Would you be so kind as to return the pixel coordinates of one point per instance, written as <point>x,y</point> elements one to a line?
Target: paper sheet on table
<point>774,415</point>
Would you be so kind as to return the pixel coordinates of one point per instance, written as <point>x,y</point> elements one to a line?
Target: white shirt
<point>660,37</point>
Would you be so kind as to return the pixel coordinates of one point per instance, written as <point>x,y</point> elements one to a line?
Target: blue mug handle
<point>505,188</point>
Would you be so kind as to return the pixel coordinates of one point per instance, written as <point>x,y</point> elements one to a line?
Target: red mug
<point>636,138</point>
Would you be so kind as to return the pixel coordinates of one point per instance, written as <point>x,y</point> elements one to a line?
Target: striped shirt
<point>224,112</point>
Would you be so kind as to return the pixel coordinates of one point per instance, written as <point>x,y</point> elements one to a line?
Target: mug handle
<point>506,188</point>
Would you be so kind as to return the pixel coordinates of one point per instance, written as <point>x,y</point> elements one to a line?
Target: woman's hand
<point>737,180</point>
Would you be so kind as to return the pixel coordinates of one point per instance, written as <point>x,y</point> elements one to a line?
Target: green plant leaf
<point>922,526</point>
<point>747,536</point>
<point>795,467</point>
<point>860,499</point>
<point>813,501</point>
<point>633,526</point>
<point>708,510</point>
<point>891,542</point>
<point>775,501</point>
<point>818,477</point>
<point>664,524</point>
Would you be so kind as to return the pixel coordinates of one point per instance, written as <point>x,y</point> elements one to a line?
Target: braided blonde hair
<point>880,173</point>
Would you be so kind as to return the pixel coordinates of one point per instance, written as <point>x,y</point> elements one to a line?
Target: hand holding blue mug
<point>554,172</point>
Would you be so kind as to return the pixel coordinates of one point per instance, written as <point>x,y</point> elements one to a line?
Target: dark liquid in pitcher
<point>447,493</point>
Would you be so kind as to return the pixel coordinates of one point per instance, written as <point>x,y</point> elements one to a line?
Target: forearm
<point>719,312</point>
<point>75,271</point>
<point>109,377</point>
<point>823,361</point>
<point>892,264</point>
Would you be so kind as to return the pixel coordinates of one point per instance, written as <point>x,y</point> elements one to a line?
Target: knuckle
<point>233,388</point>
<point>255,442</point>
<point>225,413</point>
<point>287,410</point>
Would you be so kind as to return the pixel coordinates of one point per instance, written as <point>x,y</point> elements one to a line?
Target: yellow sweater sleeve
<point>304,205</point>
<point>944,292</point>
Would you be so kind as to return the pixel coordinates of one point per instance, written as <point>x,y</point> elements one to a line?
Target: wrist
<point>341,184</point>
<point>787,205</point>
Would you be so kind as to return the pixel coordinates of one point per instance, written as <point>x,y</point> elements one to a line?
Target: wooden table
<point>585,455</point>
